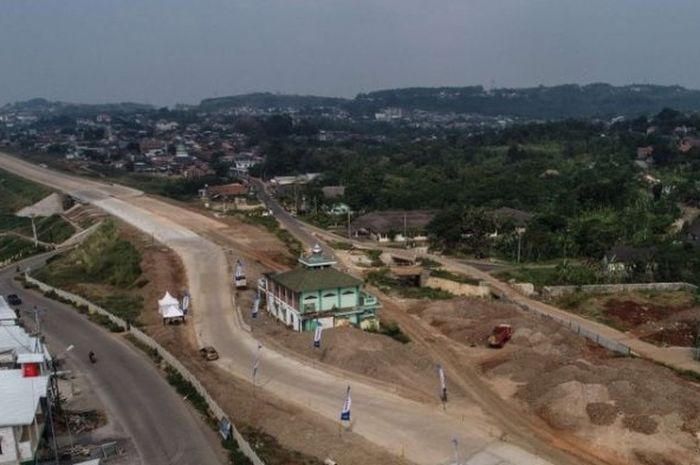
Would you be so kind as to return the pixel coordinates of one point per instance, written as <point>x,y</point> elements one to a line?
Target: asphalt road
<point>164,429</point>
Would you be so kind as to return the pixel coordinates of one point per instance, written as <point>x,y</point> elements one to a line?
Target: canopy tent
<point>169,307</point>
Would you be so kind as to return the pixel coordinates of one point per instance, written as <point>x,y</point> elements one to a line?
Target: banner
<point>345,414</point>
<point>443,385</point>
<point>185,303</point>
<point>317,334</point>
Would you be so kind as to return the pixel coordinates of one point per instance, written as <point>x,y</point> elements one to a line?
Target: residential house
<point>333,192</point>
<point>316,292</point>
<point>24,388</point>
<point>624,259</point>
<point>394,225</point>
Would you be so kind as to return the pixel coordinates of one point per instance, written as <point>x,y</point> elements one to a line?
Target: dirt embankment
<point>629,410</point>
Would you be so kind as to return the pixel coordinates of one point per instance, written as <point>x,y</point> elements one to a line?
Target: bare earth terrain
<point>503,408</point>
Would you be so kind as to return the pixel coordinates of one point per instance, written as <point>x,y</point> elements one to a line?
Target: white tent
<point>169,307</point>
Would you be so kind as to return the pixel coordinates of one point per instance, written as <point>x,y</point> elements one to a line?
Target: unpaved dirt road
<point>422,433</point>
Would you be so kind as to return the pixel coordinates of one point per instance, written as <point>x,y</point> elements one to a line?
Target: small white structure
<point>8,317</point>
<point>169,309</point>
<point>22,418</point>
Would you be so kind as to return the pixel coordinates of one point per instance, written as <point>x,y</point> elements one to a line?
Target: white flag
<point>443,384</point>
<point>185,303</point>
<point>239,270</point>
<point>345,414</point>
<point>317,334</point>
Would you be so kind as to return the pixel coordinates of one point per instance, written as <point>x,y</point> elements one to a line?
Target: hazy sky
<point>168,51</point>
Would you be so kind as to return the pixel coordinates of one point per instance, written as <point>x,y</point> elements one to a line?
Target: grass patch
<point>340,245</point>
<point>103,258</point>
<point>270,223</point>
<point>187,390</point>
<point>375,257</point>
<point>15,248</point>
<point>563,274</point>
<point>150,351</point>
<point>386,283</point>
<point>271,452</point>
<point>128,307</point>
<point>393,330</point>
<point>105,322</point>
<point>459,278</point>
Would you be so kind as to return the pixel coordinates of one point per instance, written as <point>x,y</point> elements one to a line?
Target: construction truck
<point>500,336</point>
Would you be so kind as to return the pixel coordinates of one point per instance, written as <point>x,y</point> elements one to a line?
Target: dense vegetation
<point>578,183</point>
<point>103,259</point>
<point>557,102</point>
<point>17,193</point>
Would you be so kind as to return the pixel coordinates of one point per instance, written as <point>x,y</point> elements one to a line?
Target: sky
<point>180,51</point>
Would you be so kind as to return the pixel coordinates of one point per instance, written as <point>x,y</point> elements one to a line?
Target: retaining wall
<point>142,337</point>
<point>456,288</point>
<point>557,291</point>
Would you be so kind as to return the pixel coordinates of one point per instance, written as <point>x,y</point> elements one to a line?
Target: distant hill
<point>265,100</point>
<point>565,101</point>
<point>557,102</point>
<point>64,108</point>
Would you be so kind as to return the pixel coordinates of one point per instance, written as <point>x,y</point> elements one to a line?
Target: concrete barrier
<point>453,287</point>
<point>142,337</point>
<point>557,291</point>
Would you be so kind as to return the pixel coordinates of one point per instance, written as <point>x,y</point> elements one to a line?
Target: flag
<point>443,385</point>
<point>185,303</point>
<point>256,363</point>
<point>256,306</point>
<point>239,270</point>
<point>317,334</point>
<point>345,414</point>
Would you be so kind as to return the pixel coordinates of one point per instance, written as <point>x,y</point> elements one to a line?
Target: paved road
<point>164,429</point>
<point>422,433</point>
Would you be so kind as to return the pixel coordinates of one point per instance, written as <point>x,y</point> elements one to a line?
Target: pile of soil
<point>629,314</point>
<point>640,423</point>
<point>377,356</point>
<point>602,413</point>
<point>678,333</point>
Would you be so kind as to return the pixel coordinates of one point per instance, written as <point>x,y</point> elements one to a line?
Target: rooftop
<point>394,220</point>
<point>20,396</point>
<point>6,312</point>
<point>306,280</point>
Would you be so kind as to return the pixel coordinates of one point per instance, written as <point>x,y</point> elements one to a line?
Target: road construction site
<point>501,409</point>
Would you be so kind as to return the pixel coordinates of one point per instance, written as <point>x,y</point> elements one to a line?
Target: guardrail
<point>142,337</point>
<point>599,339</point>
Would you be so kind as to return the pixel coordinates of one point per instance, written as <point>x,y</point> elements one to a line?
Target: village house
<point>24,390</point>
<point>316,292</point>
<point>394,225</point>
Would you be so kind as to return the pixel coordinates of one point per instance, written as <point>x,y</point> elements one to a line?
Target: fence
<point>142,337</point>
<point>609,344</point>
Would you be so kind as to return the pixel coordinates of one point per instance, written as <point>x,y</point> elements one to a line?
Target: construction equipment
<point>500,336</point>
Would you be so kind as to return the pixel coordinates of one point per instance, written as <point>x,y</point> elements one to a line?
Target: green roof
<point>305,280</point>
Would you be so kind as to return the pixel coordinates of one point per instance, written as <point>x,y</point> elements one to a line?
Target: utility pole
<point>349,233</point>
<point>36,237</point>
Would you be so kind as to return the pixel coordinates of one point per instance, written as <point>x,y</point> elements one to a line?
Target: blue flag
<point>317,334</point>
<point>256,306</point>
<point>345,414</point>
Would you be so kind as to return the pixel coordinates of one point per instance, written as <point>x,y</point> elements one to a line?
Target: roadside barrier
<point>143,338</point>
<point>599,339</point>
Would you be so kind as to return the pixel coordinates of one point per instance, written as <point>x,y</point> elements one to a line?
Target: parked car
<point>209,353</point>
<point>13,299</point>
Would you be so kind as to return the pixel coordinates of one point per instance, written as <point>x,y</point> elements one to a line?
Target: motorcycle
<point>92,357</point>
